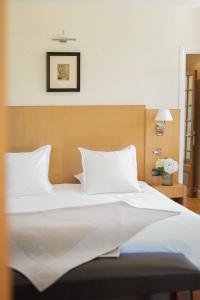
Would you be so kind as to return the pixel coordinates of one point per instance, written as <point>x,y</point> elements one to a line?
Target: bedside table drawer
<point>172,191</point>
<point>176,191</point>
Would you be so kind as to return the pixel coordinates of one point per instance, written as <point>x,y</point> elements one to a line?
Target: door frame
<point>181,102</point>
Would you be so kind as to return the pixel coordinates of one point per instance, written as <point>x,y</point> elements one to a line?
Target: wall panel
<point>169,143</point>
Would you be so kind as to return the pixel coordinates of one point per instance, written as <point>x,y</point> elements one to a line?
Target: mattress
<point>173,235</point>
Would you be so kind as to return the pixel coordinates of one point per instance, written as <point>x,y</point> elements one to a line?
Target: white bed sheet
<point>70,195</point>
<point>179,234</point>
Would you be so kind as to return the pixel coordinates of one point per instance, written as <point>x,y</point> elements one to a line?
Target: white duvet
<point>179,234</point>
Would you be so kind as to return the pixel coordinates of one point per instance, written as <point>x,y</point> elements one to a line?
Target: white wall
<point>129,53</point>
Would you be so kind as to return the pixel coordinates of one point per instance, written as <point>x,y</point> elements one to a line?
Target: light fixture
<point>162,116</point>
<point>157,151</point>
<point>62,38</point>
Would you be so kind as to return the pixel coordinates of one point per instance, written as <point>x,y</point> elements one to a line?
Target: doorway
<point>191,168</point>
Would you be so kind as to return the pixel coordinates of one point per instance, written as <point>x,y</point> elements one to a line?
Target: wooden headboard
<point>68,127</point>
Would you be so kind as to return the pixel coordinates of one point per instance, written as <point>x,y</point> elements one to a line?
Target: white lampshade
<point>163,115</point>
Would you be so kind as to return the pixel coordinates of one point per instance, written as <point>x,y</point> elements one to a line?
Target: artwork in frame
<point>63,71</point>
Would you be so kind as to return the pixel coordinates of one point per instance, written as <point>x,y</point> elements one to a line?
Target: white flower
<point>170,166</point>
<point>160,163</point>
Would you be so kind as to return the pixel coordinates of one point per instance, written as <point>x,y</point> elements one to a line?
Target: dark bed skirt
<point>131,276</point>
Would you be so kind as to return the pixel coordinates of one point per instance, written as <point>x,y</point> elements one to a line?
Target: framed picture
<point>63,71</point>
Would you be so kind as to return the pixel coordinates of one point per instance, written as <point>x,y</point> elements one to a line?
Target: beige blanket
<point>45,245</point>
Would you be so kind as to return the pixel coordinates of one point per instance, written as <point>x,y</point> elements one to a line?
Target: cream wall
<point>129,53</point>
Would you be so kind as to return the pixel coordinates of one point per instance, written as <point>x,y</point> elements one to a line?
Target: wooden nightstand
<point>177,192</point>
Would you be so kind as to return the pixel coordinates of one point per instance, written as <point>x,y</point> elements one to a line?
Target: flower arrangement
<point>166,166</point>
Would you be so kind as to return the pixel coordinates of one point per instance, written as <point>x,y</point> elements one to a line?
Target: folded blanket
<point>45,245</point>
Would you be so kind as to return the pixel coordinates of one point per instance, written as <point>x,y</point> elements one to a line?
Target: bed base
<point>131,276</point>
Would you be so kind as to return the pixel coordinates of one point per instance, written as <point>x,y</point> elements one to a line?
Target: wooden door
<point>190,132</point>
<point>4,275</point>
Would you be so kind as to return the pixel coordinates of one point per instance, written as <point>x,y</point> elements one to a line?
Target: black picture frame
<point>76,72</point>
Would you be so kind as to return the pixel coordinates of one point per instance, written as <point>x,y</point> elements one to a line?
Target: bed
<point>158,237</point>
<point>157,255</point>
<point>107,128</point>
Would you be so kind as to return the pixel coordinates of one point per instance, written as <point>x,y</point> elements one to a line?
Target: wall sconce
<point>162,116</point>
<point>157,151</point>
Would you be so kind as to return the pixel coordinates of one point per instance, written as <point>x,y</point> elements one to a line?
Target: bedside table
<point>177,192</point>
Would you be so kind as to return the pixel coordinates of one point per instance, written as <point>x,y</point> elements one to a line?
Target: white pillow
<point>110,172</point>
<point>27,172</point>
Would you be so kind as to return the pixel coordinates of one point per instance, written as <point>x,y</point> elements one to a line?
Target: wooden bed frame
<point>68,127</point>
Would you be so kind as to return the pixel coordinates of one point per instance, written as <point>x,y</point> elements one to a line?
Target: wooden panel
<point>169,142</point>
<point>175,191</point>
<point>4,275</point>
<point>68,127</point>
<point>193,204</point>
